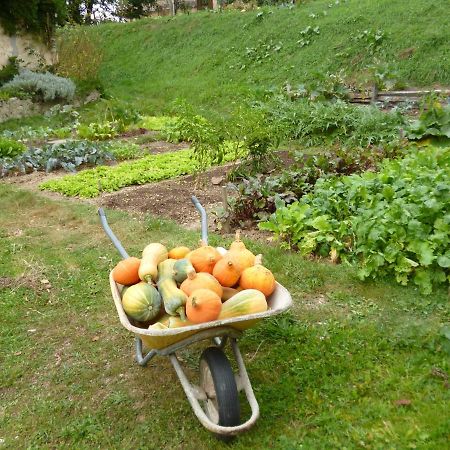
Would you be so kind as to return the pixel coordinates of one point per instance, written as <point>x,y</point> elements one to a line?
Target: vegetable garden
<point>348,204</point>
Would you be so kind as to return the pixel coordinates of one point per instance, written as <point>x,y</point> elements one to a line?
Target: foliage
<point>324,86</point>
<point>150,168</point>
<point>95,11</point>
<point>68,156</point>
<point>145,170</point>
<point>434,120</point>
<point>44,85</point>
<point>204,138</point>
<point>28,133</point>
<point>161,123</point>
<point>394,222</point>
<point>316,123</point>
<point>255,136</point>
<point>9,70</point>
<point>10,147</point>
<point>255,198</point>
<point>79,56</point>
<point>98,131</point>
<point>124,150</point>
<point>35,16</point>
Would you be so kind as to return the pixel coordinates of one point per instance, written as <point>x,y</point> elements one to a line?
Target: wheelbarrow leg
<point>140,358</point>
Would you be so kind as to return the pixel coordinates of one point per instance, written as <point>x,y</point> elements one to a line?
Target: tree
<point>32,16</point>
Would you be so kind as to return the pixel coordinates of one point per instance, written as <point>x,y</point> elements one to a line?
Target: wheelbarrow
<point>215,400</point>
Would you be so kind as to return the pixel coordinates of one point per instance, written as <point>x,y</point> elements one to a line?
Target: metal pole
<point>111,235</point>
<point>202,211</point>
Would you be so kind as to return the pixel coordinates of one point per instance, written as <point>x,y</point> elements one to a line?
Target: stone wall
<point>26,47</point>
<point>15,108</point>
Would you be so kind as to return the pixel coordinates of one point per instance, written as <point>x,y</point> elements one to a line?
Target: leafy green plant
<point>205,139</point>
<point>434,120</point>
<point>10,147</point>
<point>27,133</point>
<point>255,198</point>
<point>124,150</point>
<point>394,222</point>
<point>307,35</point>
<point>158,123</point>
<point>98,131</point>
<point>68,156</point>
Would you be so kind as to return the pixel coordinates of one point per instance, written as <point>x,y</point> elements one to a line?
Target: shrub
<point>98,131</point>
<point>394,222</point>
<point>79,56</point>
<point>10,147</point>
<point>9,70</point>
<point>44,85</point>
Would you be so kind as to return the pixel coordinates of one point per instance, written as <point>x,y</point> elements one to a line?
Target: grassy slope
<point>327,375</point>
<point>151,62</point>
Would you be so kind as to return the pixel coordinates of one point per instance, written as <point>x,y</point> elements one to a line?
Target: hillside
<point>211,59</point>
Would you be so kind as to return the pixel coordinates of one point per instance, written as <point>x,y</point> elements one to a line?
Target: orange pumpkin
<point>203,305</point>
<point>227,270</point>
<point>201,280</point>
<point>179,252</point>
<point>237,244</point>
<point>258,277</point>
<point>126,271</point>
<point>243,256</point>
<point>204,258</point>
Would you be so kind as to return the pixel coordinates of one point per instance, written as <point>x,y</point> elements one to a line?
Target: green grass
<point>330,374</point>
<point>201,56</point>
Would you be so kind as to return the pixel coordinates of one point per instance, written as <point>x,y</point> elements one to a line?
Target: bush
<point>45,86</point>
<point>394,222</point>
<point>10,147</point>
<point>9,71</point>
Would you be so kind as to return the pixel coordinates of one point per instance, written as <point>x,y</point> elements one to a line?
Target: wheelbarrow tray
<point>280,300</point>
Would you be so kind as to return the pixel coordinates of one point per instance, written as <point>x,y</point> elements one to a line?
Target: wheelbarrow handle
<point>202,212</point>
<point>111,235</point>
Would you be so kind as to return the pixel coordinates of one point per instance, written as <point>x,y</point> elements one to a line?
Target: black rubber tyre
<point>217,379</point>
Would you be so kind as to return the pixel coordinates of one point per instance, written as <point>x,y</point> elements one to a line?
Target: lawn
<point>352,365</point>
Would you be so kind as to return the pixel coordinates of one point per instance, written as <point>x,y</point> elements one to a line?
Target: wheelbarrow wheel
<point>222,398</point>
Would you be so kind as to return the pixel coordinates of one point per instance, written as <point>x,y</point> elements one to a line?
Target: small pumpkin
<point>179,252</point>
<point>126,271</point>
<point>181,269</point>
<point>204,258</point>
<point>201,280</point>
<point>203,305</point>
<point>258,277</point>
<point>243,256</point>
<point>141,302</point>
<point>227,270</point>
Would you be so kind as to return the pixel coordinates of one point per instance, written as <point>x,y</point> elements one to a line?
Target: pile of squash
<point>180,287</point>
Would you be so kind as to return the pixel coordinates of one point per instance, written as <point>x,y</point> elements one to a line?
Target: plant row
<point>396,221</point>
<point>69,156</point>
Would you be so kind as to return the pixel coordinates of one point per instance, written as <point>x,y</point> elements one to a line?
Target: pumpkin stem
<point>192,274</point>
<point>258,259</point>
<point>182,313</point>
<point>194,302</point>
<point>238,235</point>
<point>230,263</point>
<point>203,243</point>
